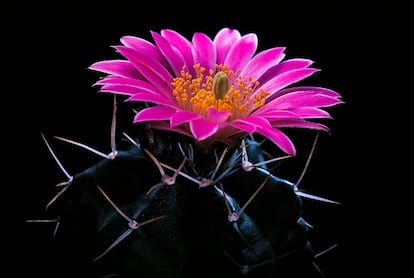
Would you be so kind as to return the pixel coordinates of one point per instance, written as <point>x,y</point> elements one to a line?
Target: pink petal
<point>201,128</point>
<point>152,76</point>
<point>298,123</point>
<point>301,99</point>
<point>244,127</point>
<point>125,89</point>
<point>182,45</point>
<point>136,83</point>
<point>310,89</point>
<point>223,41</point>
<point>143,46</point>
<point>215,116</point>
<point>285,66</point>
<point>275,114</point>
<point>137,57</point>
<point>156,113</point>
<point>183,116</point>
<point>158,99</point>
<point>241,52</point>
<point>285,79</point>
<point>253,121</point>
<point>117,67</point>
<point>262,62</point>
<point>173,56</point>
<point>310,112</point>
<point>205,50</point>
<point>166,126</point>
<point>279,138</point>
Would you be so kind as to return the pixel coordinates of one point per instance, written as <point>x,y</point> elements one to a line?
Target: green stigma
<point>221,85</point>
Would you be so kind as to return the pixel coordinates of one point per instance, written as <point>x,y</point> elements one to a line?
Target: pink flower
<point>216,89</point>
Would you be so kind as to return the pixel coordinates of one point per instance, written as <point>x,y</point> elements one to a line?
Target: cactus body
<point>216,219</point>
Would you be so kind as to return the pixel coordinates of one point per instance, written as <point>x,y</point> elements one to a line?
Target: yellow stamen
<point>225,91</point>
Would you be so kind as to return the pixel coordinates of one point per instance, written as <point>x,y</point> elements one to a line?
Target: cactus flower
<point>216,89</point>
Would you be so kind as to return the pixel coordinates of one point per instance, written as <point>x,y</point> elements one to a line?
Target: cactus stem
<point>233,217</point>
<point>165,179</point>
<point>168,180</point>
<point>246,268</point>
<point>254,195</point>
<point>114,206</point>
<point>116,242</point>
<point>196,181</point>
<point>132,224</point>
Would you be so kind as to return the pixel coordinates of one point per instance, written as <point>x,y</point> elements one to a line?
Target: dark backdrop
<point>51,46</point>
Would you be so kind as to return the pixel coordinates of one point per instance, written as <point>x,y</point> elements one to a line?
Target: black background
<point>50,46</point>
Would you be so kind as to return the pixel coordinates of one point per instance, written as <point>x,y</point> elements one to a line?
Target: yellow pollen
<point>225,91</point>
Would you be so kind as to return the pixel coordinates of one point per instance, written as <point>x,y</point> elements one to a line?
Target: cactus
<point>199,197</point>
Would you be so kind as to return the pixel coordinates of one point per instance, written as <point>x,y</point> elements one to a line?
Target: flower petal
<point>165,126</point>
<point>254,121</point>
<point>223,41</point>
<point>310,112</point>
<point>173,56</point>
<point>215,116</point>
<point>285,66</point>
<point>279,138</point>
<point>125,89</point>
<point>294,123</point>
<point>202,129</point>
<point>182,45</point>
<point>158,99</point>
<point>135,83</point>
<point>262,62</point>
<point>285,79</point>
<point>138,58</point>
<point>243,127</point>
<point>117,67</point>
<point>301,99</point>
<point>149,71</point>
<point>183,116</point>
<point>310,89</point>
<point>143,46</point>
<point>241,52</point>
<point>276,114</point>
<point>156,113</point>
<point>205,50</point>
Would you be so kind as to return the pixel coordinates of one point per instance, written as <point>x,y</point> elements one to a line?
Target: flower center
<point>221,89</point>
